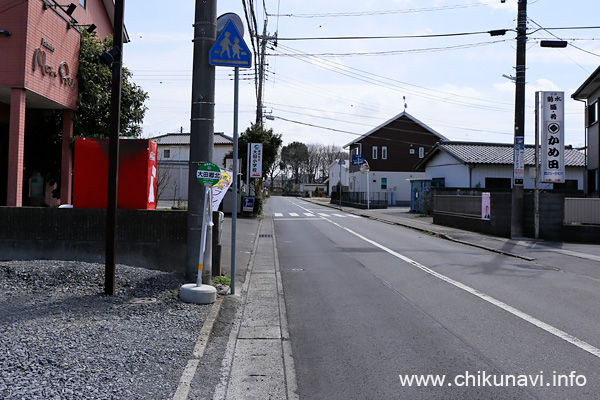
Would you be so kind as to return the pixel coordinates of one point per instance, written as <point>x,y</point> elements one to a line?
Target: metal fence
<point>468,205</point>
<point>375,198</point>
<point>582,211</point>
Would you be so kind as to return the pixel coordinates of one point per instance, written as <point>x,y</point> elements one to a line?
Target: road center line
<point>526,317</point>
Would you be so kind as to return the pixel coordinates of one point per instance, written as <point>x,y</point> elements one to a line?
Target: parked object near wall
<point>137,174</point>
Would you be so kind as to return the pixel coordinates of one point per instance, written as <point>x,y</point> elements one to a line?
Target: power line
<point>381,12</point>
<point>434,35</point>
<point>396,52</point>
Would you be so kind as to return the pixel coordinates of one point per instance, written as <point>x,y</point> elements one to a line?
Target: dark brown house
<point>392,150</point>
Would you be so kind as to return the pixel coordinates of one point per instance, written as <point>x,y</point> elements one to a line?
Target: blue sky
<point>453,84</point>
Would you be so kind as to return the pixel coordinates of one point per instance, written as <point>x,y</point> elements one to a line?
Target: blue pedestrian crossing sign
<point>230,50</point>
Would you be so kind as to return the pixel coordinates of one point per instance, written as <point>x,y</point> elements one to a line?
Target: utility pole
<point>516,227</point>
<point>201,131</point>
<point>113,152</point>
<point>261,76</point>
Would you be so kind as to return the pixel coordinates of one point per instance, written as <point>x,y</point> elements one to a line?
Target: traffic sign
<point>358,159</point>
<point>208,174</point>
<point>230,50</point>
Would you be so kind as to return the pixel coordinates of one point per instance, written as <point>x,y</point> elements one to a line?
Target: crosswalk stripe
<point>309,214</point>
<point>278,214</point>
<point>294,215</point>
<point>339,215</point>
<point>323,215</point>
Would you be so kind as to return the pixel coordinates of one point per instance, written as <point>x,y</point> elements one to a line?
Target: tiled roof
<point>500,153</point>
<point>184,139</point>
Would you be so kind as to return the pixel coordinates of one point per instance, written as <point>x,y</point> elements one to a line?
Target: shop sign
<point>63,73</point>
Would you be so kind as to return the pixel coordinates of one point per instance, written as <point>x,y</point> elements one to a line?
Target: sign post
<point>208,175</point>
<point>553,135</point>
<point>230,50</point>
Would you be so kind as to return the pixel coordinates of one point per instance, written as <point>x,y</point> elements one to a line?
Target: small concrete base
<point>203,294</point>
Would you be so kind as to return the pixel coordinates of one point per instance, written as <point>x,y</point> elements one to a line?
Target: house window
<point>82,3</point>
<point>421,152</point>
<point>355,151</point>
<point>383,183</point>
<point>441,181</point>
<point>374,152</point>
<point>592,114</point>
<point>412,151</point>
<point>167,154</point>
<point>384,153</point>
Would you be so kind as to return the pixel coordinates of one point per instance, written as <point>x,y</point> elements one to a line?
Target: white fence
<point>582,211</point>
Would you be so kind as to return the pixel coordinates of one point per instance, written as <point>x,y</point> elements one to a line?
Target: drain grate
<point>265,235</point>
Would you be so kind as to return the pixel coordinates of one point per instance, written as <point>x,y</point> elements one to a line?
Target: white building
<point>490,166</point>
<point>173,162</point>
<point>334,175</point>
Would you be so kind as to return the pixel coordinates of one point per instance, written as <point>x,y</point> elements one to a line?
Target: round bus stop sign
<point>208,174</point>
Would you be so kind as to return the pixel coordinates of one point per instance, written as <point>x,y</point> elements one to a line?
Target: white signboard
<point>256,153</point>
<point>552,137</point>
<point>219,190</point>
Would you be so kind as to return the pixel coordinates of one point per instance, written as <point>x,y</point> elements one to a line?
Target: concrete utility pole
<point>261,76</point>
<point>201,131</point>
<point>516,227</point>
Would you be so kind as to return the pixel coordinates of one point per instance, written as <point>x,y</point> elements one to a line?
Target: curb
<point>183,390</point>
<point>437,234</point>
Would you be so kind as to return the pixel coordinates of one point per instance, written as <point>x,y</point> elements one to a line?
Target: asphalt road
<point>370,305</point>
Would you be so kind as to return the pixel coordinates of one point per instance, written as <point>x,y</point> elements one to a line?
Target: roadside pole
<point>236,90</point>
<point>537,167</point>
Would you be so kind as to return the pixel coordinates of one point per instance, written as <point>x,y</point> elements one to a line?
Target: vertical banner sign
<point>256,150</point>
<point>553,135</point>
<point>485,205</point>
<point>519,171</point>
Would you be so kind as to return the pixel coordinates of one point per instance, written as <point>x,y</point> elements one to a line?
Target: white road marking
<point>309,214</point>
<point>294,215</point>
<point>278,214</point>
<point>518,313</point>
<point>323,215</point>
<point>339,215</point>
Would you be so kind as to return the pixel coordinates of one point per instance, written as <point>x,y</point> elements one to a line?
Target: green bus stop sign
<point>208,174</point>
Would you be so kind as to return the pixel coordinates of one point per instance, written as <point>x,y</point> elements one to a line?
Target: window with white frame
<point>412,151</point>
<point>592,114</point>
<point>421,152</point>
<point>374,153</point>
<point>383,152</point>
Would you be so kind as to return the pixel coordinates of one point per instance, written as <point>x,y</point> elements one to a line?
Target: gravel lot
<point>62,338</point>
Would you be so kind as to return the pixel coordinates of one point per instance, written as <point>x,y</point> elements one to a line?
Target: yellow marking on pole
<point>200,267</point>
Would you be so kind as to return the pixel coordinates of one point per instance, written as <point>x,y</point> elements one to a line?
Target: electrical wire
<point>383,12</point>
<point>433,35</point>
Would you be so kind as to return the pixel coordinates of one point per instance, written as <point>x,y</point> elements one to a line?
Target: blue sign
<point>358,159</point>
<point>230,50</point>
<point>248,204</point>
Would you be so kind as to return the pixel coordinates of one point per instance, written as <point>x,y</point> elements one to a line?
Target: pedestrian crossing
<point>313,215</point>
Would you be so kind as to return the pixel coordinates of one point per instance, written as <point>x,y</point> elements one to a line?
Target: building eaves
<point>591,84</point>
<point>497,153</point>
<point>402,114</point>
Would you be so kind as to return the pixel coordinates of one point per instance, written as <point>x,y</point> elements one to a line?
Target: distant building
<point>590,92</point>
<point>490,166</point>
<point>392,150</point>
<point>173,162</point>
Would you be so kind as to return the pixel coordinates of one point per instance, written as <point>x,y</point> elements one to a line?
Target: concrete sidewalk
<point>258,362</point>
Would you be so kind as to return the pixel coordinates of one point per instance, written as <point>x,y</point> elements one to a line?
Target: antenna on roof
<point>405,105</point>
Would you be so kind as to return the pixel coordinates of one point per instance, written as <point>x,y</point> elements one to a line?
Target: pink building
<point>39,51</point>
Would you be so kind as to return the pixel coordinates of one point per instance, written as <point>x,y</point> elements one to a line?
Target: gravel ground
<point>62,338</point>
